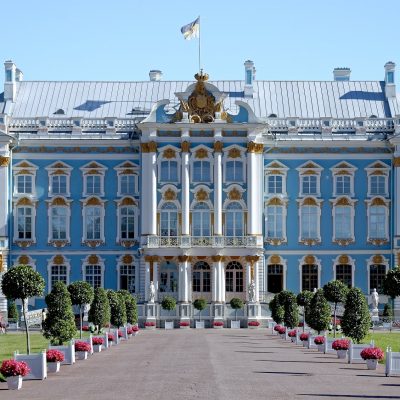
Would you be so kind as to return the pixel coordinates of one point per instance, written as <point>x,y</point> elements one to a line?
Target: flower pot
<point>129,335</point>
<point>53,367</point>
<point>341,354</point>
<point>97,348</point>
<point>169,324</point>
<point>135,333</point>
<point>372,363</point>
<point>110,343</point>
<point>304,342</point>
<point>218,326</point>
<point>14,382</point>
<point>199,324</point>
<point>81,355</point>
<point>321,347</point>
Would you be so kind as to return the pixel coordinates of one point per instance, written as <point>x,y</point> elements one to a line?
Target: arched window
<point>169,220</point>
<point>201,277</point>
<point>127,222</point>
<point>201,220</point>
<point>201,171</point>
<point>234,220</point>
<point>234,277</point>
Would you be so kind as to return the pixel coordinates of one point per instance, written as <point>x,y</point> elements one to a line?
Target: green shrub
<point>236,304</point>
<point>304,300</point>
<point>200,304</point>
<point>277,310</point>
<point>319,312</point>
<point>131,307</point>
<point>12,311</point>
<point>168,303</point>
<point>99,313</point>
<point>288,301</point>
<point>117,308</point>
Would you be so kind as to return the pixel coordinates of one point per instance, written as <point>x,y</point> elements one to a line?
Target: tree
<point>320,312</point>
<point>131,307</point>
<point>117,308</point>
<point>200,304</point>
<point>12,311</point>
<point>168,303</point>
<point>335,292</point>
<point>236,304</point>
<point>288,301</point>
<point>387,313</point>
<point>277,310</point>
<point>356,319</point>
<point>304,300</point>
<point>81,293</point>
<point>59,325</point>
<point>99,313</point>
<point>22,282</point>
<point>391,284</point>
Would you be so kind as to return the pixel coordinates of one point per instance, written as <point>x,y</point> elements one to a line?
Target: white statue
<point>375,300</point>
<point>252,292</point>
<point>152,292</point>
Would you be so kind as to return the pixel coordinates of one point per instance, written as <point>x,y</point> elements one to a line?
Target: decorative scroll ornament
<point>234,194</point>
<point>378,259</point>
<point>309,259</point>
<point>169,153</point>
<point>149,147</point>
<point>218,146</point>
<point>201,153</point>
<point>344,259</point>
<point>59,201</point>
<point>275,259</point>
<point>93,259</point>
<point>201,195</point>
<point>185,146</point>
<point>1,263</point>
<point>127,259</point>
<point>4,161</point>
<point>58,260</point>
<point>169,195</point>
<point>234,153</point>
<point>23,260</point>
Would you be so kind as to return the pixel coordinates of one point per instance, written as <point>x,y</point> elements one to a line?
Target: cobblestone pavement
<point>210,364</point>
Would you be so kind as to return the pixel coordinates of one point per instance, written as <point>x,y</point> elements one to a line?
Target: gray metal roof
<point>305,99</point>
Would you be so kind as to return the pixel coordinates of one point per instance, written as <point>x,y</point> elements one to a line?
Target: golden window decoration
<point>378,202</point>
<point>169,153</point>
<point>218,146</point>
<point>344,259</point>
<point>127,201</point>
<point>310,259</point>
<point>93,259</point>
<point>24,172</point>
<point>201,195</point>
<point>23,260</point>
<point>169,194</point>
<point>59,201</point>
<point>276,201</point>
<point>377,259</point>
<point>58,259</point>
<point>93,172</point>
<point>275,259</point>
<point>309,201</point>
<point>4,161</point>
<point>25,201</point>
<point>93,201</point>
<point>201,153</point>
<point>234,153</point>
<point>343,201</point>
<point>185,146</point>
<point>253,147</point>
<point>234,194</point>
<point>127,259</point>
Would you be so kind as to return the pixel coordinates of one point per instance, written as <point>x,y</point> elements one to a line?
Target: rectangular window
<point>127,184</point>
<point>206,281</point>
<point>8,75</point>
<point>201,171</point>
<point>24,184</point>
<point>234,171</point>
<point>378,185</point>
<point>343,184</point>
<point>343,222</point>
<point>344,274</point>
<point>309,277</point>
<point>249,76</point>
<point>275,222</point>
<point>24,222</point>
<point>229,281</point>
<point>275,278</point>
<point>196,281</point>
<point>58,274</point>
<point>93,275</point>
<point>274,184</point>
<point>390,77</point>
<point>93,184</point>
<point>127,278</point>
<point>309,184</point>
<point>59,184</point>
<point>309,222</point>
<point>169,171</point>
<point>93,223</point>
<point>127,223</point>
<point>377,274</point>
<point>59,223</point>
<point>377,222</point>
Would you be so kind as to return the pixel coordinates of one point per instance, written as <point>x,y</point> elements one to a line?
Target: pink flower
<point>277,327</point>
<point>110,337</point>
<point>97,341</point>
<point>150,323</point>
<point>292,333</point>
<point>184,323</point>
<point>54,356</point>
<point>282,330</point>
<point>319,340</point>
<point>341,344</point>
<point>254,323</point>
<point>218,323</point>
<point>372,353</point>
<point>14,368</point>
<point>304,337</point>
<point>120,334</point>
<point>82,346</point>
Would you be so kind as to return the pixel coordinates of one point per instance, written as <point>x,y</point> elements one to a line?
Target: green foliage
<point>99,313</point>
<point>237,303</point>
<point>277,310</point>
<point>131,307</point>
<point>391,284</point>
<point>117,308</point>
<point>356,319</point>
<point>387,312</point>
<point>81,293</point>
<point>335,292</point>
<point>319,315</point>
<point>200,304</point>
<point>22,282</point>
<point>288,301</point>
<point>12,311</point>
<point>168,303</point>
<point>304,298</point>
<point>59,325</point>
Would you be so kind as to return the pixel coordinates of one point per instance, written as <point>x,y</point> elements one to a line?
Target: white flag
<point>191,30</point>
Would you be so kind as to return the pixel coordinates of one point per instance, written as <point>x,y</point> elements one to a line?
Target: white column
<point>254,188</point>
<point>218,279</point>
<point>3,299</point>
<point>248,278</point>
<point>155,278</point>
<point>218,188</point>
<point>215,283</point>
<point>185,189</point>
<point>146,280</point>
<point>184,282</point>
<point>257,266</point>
<point>223,286</point>
<point>153,189</point>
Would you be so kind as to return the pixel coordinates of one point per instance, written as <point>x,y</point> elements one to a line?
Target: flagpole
<point>199,44</point>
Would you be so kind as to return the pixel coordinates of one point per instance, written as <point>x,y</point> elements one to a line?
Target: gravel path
<point>210,364</point>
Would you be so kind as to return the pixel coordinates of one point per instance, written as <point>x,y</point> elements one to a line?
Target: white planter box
<point>235,324</point>
<point>36,362</point>
<point>81,355</point>
<point>355,350</point>
<point>88,340</point>
<point>14,382</point>
<point>68,351</point>
<point>199,324</point>
<point>392,363</point>
<point>53,367</point>
<point>341,354</point>
<point>97,348</point>
<point>372,364</point>
<point>169,325</point>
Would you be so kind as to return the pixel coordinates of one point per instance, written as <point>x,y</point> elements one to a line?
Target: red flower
<point>372,353</point>
<point>301,324</point>
<point>120,334</point>
<point>14,368</point>
<point>82,346</point>
<point>85,328</point>
<point>282,330</point>
<point>304,337</point>
<point>341,344</point>
<point>218,323</point>
<point>184,323</point>
<point>277,327</point>
<point>110,337</point>
<point>292,333</point>
<point>97,341</point>
<point>54,356</point>
<point>135,328</point>
<point>150,323</point>
<point>319,340</point>
<point>254,323</point>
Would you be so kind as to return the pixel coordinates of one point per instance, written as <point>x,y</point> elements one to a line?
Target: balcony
<point>155,242</point>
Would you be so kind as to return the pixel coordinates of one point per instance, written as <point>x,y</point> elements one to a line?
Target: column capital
<point>218,145</point>
<point>182,259</point>
<point>148,147</point>
<point>396,162</point>
<point>4,161</point>
<point>252,259</point>
<point>218,258</point>
<point>151,259</point>
<point>253,147</point>
<point>185,146</point>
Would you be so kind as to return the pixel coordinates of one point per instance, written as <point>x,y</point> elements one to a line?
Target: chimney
<point>19,76</point>
<point>155,75</point>
<point>390,86</point>
<point>9,84</point>
<point>341,74</point>
<point>249,76</point>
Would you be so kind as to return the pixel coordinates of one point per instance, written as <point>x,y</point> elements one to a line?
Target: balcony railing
<point>154,242</point>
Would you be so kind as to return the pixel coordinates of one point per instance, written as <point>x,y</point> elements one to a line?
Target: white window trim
<point>309,168</point>
<point>269,169</point>
<point>32,205</point>
<point>100,262</point>
<point>386,204</point>
<point>101,204</point>
<point>282,204</point>
<point>18,170</point>
<point>209,158</point>
<point>370,262</point>
<point>68,227</point>
<point>303,262</point>
<point>135,263</point>
<point>120,205</point>
<point>282,262</point>
<point>383,170</point>
<point>351,261</point>
<point>318,204</point>
<point>62,167</point>
<point>208,201</point>
<point>122,170</point>
<point>93,166</point>
<point>50,263</point>
<point>226,158</point>
<point>343,168</point>
<point>161,158</point>
<point>351,204</point>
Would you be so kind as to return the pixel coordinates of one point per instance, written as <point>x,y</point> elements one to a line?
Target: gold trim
<point>396,162</point>
<point>127,259</point>
<point>217,258</point>
<point>309,201</point>
<point>253,147</point>
<point>93,172</point>
<point>276,201</point>
<point>23,260</point>
<point>344,259</point>
<point>309,172</point>
<point>59,172</point>
<point>169,195</point>
<point>218,146</point>
<point>275,259</point>
<point>234,194</point>
<point>24,172</point>
<point>184,258</point>
<point>343,201</point>
<point>127,201</point>
<point>169,153</point>
<point>201,195</point>
<point>127,172</point>
<point>93,201</point>
<point>59,201</point>
<point>343,172</point>
<point>377,259</point>
<point>378,202</point>
<point>58,259</point>
<point>25,201</point>
<point>185,146</point>
<point>148,147</point>
<point>4,161</point>
<point>310,259</point>
<point>93,259</point>
<point>234,153</point>
<point>201,153</point>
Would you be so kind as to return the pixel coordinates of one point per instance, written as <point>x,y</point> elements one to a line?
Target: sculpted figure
<point>152,292</point>
<point>252,292</point>
<point>375,299</point>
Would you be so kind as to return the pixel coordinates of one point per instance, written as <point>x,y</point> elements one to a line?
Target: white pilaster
<point>254,188</point>
<point>146,280</point>
<point>218,279</point>
<point>257,266</point>
<point>3,299</point>
<point>184,281</point>
<point>145,209</point>
<point>214,282</point>
<point>185,189</point>
<point>155,278</point>
<point>218,188</point>
<point>248,278</point>
<point>153,193</point>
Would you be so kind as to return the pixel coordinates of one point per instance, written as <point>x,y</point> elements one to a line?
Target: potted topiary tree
<point>99,313</point>
<point>277,310</point>
<point>303,300</point>
<point>200,304</point>
<point>118,312</point>
<point>290,308</point>
<point>81,293</point>
<point>391,286</point>
<point>335,292</point>
<point>22,282</point>
<point>320,312</point>
<point>168,304</point>
<point>131,311</point>
<point>12,314</point>
<point>236,304</point>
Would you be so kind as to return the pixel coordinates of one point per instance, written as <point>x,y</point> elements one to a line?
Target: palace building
<point>201,189</point>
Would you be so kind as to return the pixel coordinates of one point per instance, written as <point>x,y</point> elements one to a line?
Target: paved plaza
<point>210,364</point>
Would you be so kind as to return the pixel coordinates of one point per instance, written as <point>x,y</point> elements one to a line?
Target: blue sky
<point>124,39</point>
